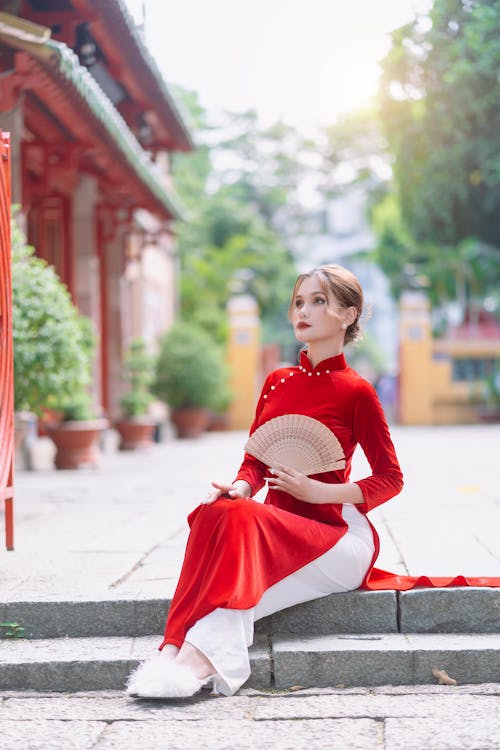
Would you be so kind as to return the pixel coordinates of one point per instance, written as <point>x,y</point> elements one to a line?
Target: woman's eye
<point>298,303</point>
<point>320,300</point>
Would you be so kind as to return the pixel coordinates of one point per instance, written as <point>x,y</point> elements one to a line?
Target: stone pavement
<point>390,718</point>
<point>117,534</point>
<point>120,530</point>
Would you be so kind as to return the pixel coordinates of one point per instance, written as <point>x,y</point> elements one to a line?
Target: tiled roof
<point>65,63</point>
<point>182,116</point>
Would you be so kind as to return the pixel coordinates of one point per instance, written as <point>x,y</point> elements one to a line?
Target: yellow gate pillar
<point>243,359</point>
<point>415,360</point>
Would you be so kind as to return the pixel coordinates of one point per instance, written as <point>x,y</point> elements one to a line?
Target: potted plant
<point>136,428</point>
<point>53,343</point>
<point>189,371</point>
<point>76,433</point>
<point>223,399</point>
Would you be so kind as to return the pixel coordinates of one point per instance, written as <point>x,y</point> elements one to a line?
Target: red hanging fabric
<point>382,580</point>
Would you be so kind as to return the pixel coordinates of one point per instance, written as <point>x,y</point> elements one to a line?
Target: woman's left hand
<point>293,482</point>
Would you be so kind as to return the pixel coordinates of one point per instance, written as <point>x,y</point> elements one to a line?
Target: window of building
<point>474,368</point>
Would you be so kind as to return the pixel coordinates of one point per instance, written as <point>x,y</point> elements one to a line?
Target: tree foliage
<point>232,240</point>
<point>441,110</point>
<point>440,107</point>
<point>458,273</point>
<point>354,152</point>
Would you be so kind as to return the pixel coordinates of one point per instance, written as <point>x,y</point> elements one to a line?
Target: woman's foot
<point>171,676</point>
<point>191,657</point>
<point>169,651</point>
<point>163,678</point>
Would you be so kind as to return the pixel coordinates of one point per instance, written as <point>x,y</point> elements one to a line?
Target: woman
<point>244,559</point>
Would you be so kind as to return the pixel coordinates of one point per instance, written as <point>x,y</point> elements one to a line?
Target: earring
<point>344,325</point>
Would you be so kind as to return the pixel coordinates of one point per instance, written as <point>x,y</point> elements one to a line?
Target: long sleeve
<point>372,433</point>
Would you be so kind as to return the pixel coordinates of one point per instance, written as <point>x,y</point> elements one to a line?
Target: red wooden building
<point>92,127</point>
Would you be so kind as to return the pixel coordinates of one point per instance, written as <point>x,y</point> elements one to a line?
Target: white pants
<point>224,635</point>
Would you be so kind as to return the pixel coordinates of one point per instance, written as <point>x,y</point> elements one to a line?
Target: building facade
<point>93,126</point>
<point>451,379</point>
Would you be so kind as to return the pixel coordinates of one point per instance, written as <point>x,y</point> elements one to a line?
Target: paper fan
<point>295,440</point>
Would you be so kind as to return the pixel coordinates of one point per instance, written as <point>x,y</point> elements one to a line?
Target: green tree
<point>440,106</point>
<point>267,169</point>
<point>354,152</point>
<point>230,241</point>
<point>440,99</point>
<point>461,273</point>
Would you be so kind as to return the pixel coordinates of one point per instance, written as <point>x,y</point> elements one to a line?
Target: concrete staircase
<point>359,638</point>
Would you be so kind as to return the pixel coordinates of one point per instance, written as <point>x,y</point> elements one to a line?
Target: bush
<point>138,370</point>
<point>53,343</point>
<point>190,368</point>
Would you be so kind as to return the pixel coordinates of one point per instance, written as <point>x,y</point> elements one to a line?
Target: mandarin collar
<point>332,363</point>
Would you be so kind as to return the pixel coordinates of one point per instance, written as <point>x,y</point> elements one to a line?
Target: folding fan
<point>295,440</point>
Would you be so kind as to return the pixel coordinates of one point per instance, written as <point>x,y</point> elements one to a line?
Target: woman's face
<point>316,316</point>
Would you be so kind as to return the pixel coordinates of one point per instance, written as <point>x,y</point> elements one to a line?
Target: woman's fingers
<point>284,471</point>
<point>211,497</point>
<point>227,489</point>
<point>221,489</point>
<point>286,479</point>
<point>281,473</point>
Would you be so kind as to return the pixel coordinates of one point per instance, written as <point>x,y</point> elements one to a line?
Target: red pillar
<point>6,348</point>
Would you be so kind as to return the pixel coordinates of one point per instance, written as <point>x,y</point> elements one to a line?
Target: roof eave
<point>34,40</point>
<point>176,107</point>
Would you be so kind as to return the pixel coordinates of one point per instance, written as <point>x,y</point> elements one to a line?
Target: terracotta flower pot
<point>218,422</point>
<point>76,442</point>
<point>190,422</point>
<point>136,433</point>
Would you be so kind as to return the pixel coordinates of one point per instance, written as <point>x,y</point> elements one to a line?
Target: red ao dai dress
<point>245,559</point>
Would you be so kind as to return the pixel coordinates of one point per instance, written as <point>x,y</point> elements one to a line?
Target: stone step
<point>88,664</point>
<point>392,659</point>
<point>455,610</point>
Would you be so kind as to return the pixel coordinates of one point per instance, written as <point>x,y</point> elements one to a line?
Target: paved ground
<point>120,531</point>
<point>421,718</point>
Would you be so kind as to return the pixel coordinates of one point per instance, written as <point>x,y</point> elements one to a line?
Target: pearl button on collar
<point>291,373</point>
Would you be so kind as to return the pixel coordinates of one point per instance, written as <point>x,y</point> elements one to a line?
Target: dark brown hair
<point>343,286</point>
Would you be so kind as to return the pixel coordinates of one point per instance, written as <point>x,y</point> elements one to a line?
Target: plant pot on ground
<point>53,343</point>
<point>219,417</point>
<point>189,372</point>
<point>53,349</point>
<point>76,435</point>
<point>136,428</point>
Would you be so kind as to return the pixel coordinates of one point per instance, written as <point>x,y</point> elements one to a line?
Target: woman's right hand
<point>236,490</point>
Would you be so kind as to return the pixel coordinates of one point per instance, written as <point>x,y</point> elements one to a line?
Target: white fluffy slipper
<point>159,677</point>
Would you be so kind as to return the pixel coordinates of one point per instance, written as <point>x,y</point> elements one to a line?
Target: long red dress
<point>237,549</point>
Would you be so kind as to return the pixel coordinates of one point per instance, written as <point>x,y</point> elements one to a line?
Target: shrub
<point>190,368</point>
<point>53,342</point>
<point>138,370</point>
